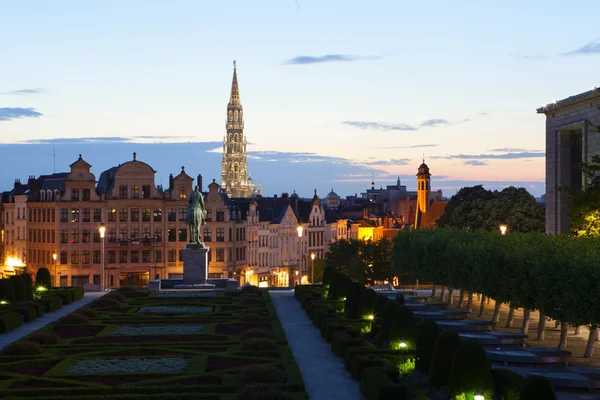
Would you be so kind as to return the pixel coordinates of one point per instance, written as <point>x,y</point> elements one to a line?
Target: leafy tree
<point>364,262</point>
<point>320,265</point>
<point>584,205</point>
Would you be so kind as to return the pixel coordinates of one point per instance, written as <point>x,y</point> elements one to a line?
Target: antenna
<point>54,156</point>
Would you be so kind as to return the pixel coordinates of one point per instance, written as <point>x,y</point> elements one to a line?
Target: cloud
<point>380,126</point>
<point>475,163</point>
<point>10,113</point>
<point>301,60</point>
<point>505,156</point>
<point>588,49</point>
<point>416,146</point>
<point>111,139</point>
<point>24,92</point>
<point>513,150</point>
<point>436,122</point>
<point>395,161</point>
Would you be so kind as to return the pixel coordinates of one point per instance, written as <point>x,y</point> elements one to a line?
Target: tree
<point>320,265</point>
<point>584,205</point>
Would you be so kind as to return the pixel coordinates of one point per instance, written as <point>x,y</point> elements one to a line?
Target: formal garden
<point>133,344</point>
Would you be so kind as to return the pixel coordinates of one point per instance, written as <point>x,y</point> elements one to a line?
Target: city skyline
<point>339,93</point>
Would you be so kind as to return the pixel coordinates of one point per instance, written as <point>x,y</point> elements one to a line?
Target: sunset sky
<point>334,92</point>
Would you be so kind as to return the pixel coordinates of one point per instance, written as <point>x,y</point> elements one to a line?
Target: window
<point>85,256</point>
<point>85,194</point>
<point>63,257</point>
<point>75,256</point>
<point>112,235</point>
<point>146,191</point>
<point>97,215</point>
<point>64,215</point>
<point>64,236</point>
<point>112,215</point>
<point>52,213</point>
<point>86,215</point>
<point>53,237</point>
<point>75,236</point>
<point>157,215</point>
<point>97,257</point>
<point>183,235</point>
<point>85,236</point>
<point>208,215</point>
<point>220,255</point>
<point>182,193</point>
<point>123,215</point>
<point>135,234</point>
<point>96,236</point>
<point>158,235</point>
<point>123,191</point>
<point>172,215</point>
<point>123,256</point>
<point>112,257</point>
<point>146,233</point>
<point>145,214</point>
<point>171,235</point>
<point>207,235</point>
<point>230,234</point>
<point>172,255</point>
<point>135,256</point>
<point>220,215</point>
<point>182,214</point>
<point>180,255</point>
<point>123,235</point>
<point>135,214</point>
<point>135,192</point>
<point>220,234</point>
<point>75,215</point>
<point>158,256</point>
<point>74,194</point>
<point>146,256</point>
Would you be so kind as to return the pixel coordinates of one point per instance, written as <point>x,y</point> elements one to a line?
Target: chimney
<point>171,185</point>
<point>31,179</point>
<point>199,180</point>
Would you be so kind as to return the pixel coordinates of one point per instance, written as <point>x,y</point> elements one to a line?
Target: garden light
<point>503,231</point>
<point>371,317</point>
<point>3,302</point>
<point>41,289</point>
<point>478,395</point>
<point>403,346</point>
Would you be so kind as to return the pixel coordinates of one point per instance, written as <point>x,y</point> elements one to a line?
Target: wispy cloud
<point>589,49</point>
<point>416,146</point>
<point>394,161</point>
<point>380,126</point>
<point>435,122</point>
<point>24,92</point>
<point>505,156</point>
<point>10,113</point>
<point>111,139</point>
<point>515,150</point>
<point>475,163</point>
<point>301,60</point>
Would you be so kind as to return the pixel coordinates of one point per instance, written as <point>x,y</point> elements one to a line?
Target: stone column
<point>195,264</point>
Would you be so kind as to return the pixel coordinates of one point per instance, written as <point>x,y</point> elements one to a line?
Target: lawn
<point>138,345</point>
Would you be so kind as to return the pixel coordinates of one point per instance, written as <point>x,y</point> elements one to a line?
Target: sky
<point>335,94</point>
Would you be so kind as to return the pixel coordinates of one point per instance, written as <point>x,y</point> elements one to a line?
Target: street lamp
<point>299,229</point>
<point>312,268</point>
<point>54,258</point>
<point>503,229</point>
<point>102,231</point>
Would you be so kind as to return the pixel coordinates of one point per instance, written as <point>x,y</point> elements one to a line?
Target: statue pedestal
<point>195,267</point>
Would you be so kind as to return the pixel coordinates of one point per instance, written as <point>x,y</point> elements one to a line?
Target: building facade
<point>572,138</point>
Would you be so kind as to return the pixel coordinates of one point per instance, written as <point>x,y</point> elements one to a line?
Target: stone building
<point>572,138</point>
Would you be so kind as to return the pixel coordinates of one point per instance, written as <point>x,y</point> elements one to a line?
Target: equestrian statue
<point>195,216</point>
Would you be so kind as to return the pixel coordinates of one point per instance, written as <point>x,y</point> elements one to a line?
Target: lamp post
<point>54,258</point>
<point>312,269</point>
<point>300,230</point>
<point>102,231</point>
<point>503,229</point>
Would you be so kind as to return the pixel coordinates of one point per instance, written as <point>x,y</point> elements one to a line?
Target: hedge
<point>387,317</point>
<point>507,383</point>
<point>18,287</point>
<point>42,278</point>
<point>471,371</point>
<point>9,320</point>
<point>28,281</point>
<point>426,337</point>
<point>537,387</point>
<point>7,291</point>
<point>441,360</point>
<point>51,303</point>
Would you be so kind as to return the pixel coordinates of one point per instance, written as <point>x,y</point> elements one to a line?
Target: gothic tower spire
<point>235,180</point>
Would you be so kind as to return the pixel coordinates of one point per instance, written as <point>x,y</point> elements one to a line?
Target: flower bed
<point>159,330</point>
<point>102,365</point>
<point>174,310</point>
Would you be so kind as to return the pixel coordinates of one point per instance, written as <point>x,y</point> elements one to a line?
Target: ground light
<point>41,289</point>
<point>478,395</point>
<point>3,302</point>
<point>371,317</point>
<point>403,346</point>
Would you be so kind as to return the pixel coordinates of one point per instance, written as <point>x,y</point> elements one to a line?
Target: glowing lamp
<point>479,395</point>
<point>371,317</point>
<point>402,345</point>
<point>299,229</point>
<point>312,256</point>
<point>41,289</point>
<point>102,230</point>
<point>503,229</point>
<point>3,302</point>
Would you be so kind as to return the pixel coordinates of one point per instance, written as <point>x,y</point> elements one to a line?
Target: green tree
<point>320,265</point>
<point>584,205</point>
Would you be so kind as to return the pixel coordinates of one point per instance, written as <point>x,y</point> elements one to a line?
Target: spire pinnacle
<point>234,96</point>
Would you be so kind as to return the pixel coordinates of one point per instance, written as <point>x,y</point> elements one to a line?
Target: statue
<point>195,216</point>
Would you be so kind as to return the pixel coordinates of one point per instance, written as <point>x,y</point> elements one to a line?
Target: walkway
<point>28,327</point>
<point>324,373</point>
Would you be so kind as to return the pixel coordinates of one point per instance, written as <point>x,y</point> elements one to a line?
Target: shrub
<point>115,296</point>
<point>387,316</point>
<point>42,278</point>
<point>78,292</point>
<point>258,344</point>
<point>471,371</point>
<point>403,327</point>
<point>88,312</point>
<point>51,303</point>
<point>22,348</point>
<point>537,387</point>
<point>250,289</point>
<point>27,312</point>
<point>254,300</point>
<point>355,351</point>
<point>380,303</point>
<point>353,300</point>
<point>441,360</point>
<point>37,305</point>
<point>9,320</point>
<point>43,338</point>
<point>507,383</point>
<point>261,374</point>
<point>66,297</point>
<point>7,291</point>
<point>19,287</point>
<point>262,392</point>
<point>257,333</point>
<point>379,383</point>
<point>344,339</point>
<point>74,318</point>
<point>106,302</point>
<point>28,281</point>
<point>251,317</point>
<point>428,333</point>
<point>367,302</point>
<point>127,289</point>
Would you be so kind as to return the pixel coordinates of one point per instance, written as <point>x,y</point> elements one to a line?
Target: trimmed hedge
<point>18,287</point>
<point>342,340</point>
<point>43,338</point>
<point>28,281</point>
<point>403,326</point>
<point>367,303</point>
<point>387,317</point>
<point>28,312</point>
<point>354,361</point>
<point>9,320</point>
<point>428,333</point>
<point>380,303</point>
<point>507,383</point>
<point>471,371</point>
<point>352,308</point>
<point>66,296</point>
<point>42,278</point>
<point>7,291</point>
<point>261,391</point>
<point>444,350</point>
<point>261,374</point>
<point>22,348</point>
<point>37,305</point>
<point>537,387</point>
<point>381,384</point>
<point>77,291</point>
<point>51,303</point>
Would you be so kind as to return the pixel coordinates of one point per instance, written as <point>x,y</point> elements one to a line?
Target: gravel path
<point>323,372</point>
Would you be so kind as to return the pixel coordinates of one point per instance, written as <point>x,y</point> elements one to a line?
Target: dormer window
<point>135,192</point>
<point>182,193</point>
<point>123,191</point>
<point>74,194</point>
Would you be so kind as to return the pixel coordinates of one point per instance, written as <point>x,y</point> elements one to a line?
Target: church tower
<point>234,167</point>
<point>423,190</point>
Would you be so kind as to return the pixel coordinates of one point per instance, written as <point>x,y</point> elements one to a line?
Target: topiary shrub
<point>367,303</point>
<point>7,291</point>
<point>257,333</point>
<point>42,278</point>
<point>106,302</point>
<point>251,317</point>
<point>352,308</point>
<point>471,371</point>
<point>261,374</point>
<point>22,348</point>
<point>507,383</point>
<point>18,287</point>
<point>426,337</point>
<point>250,289</point>
<point>88,312</point>
<point>43,338</point>
<point>37,305</point>
<point>10,320</point>
<point>262,392</point>
<point>537,387</point>
<point>444,350</point>
<point>51,303</point>
<point>74,318</point>
<point>115,296</point>
<point>77,292</point>
<point>127,289</point>
<point>387,316</point>
<point>27,312</point>
<point>258,344</point>
<point>404,328</point>
<point>28,281</point>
